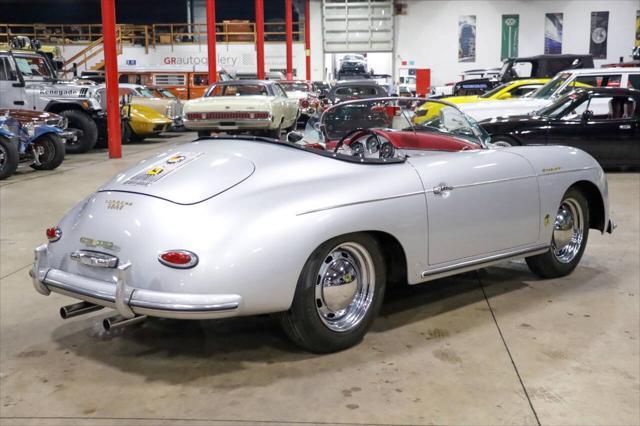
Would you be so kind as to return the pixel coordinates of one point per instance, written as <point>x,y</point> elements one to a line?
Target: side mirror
<point>293,137</point>
<point>587,115</point>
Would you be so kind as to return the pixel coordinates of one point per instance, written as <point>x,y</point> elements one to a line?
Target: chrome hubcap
<point>344,286</point>
<point>568,231</point>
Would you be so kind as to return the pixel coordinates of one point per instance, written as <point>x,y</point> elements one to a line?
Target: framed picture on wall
<point>599,34</point>
<point>553,33</point>
<point>467,38</point>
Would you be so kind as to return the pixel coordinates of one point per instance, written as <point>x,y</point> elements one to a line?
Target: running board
<point>480,263</point>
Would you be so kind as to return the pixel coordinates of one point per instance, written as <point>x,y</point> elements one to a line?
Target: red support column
<point>260,37</point>
<point>307,38</point>
<point>289,24</point>
<point>111,69</point>
<point>211,40</point>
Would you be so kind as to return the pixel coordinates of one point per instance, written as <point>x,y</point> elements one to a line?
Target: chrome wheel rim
<point>502,144</point>
<point>568,231</point>
<point>3,157</point>
<point>345,285</point>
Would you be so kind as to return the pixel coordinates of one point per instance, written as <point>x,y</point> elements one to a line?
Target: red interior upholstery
<point>417,140</point>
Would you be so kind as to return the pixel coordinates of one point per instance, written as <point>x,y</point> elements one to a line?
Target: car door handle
<point>18,102</point>
<point>624,127</point>
<point>442,188</point>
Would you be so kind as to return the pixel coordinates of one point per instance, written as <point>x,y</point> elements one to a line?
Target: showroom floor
<point>494,347</point>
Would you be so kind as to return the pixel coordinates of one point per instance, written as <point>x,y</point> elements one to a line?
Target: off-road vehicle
<point>28,80</point>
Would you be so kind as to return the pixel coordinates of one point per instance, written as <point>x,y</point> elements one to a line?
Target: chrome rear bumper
<point>128,300</point>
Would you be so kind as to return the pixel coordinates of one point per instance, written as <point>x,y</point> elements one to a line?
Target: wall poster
<point>467,38</point>
<point>510,30</point>
<point>637,28</point>
<point>553,33</point>
<point>599,30</point>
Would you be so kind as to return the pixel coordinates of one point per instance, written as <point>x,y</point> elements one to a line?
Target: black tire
<point>125,132</point>
<point>134,137</point>
<point>303,322</point>
<point>504,141</point>
<point>81,121</point>
<point>9,158</point>
<point>556,262</point>
<point>204,133</point>
<point>51,152</point>
<point>275,133</point>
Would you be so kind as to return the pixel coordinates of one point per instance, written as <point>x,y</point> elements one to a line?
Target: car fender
<point>559,168</point>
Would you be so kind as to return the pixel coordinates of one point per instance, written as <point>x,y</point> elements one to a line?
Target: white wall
<point>428,35</point>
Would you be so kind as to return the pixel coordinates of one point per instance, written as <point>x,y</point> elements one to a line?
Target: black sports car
<point>605,122</point>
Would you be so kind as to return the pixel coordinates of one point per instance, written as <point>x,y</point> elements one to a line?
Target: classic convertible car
<point>257,106</point>
<point>303,92</point>
<point>603,122</point>
<point>250,225</point>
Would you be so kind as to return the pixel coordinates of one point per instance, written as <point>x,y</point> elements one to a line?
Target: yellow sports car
<point>143,122</point>
<point>510,90</point>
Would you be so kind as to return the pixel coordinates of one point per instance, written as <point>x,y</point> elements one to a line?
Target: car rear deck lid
<point>184,177</point>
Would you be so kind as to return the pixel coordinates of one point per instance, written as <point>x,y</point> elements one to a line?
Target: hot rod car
<point>315,233</point>
<point>33,137</point>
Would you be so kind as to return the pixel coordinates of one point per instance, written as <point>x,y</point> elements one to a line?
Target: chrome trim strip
<point>470,185</point>
<point>480,263</point>
<point>355,203</point>
<point>579,169</point>
<point>185,308</point>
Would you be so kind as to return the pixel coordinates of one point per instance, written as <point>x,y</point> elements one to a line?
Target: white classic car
<point>242,106</point>
<point>562,83</point>
<point>316,232</point>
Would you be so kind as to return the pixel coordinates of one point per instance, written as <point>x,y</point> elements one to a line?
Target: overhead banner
<point>467,38</point>
<point>510,30</point>
<point>599,30</point>
<point>553,32</point>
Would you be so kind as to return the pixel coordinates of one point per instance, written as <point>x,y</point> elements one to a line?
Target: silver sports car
<point>314,231</point>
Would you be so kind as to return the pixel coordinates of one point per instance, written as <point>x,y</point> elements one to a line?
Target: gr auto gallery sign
<point>234,57</point>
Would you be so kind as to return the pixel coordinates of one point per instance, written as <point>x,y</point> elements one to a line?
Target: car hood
<point>298,94</point>
<point>25,116</point>
<point>497,108</point>
<point>185,175</point>
<point>228,103</point>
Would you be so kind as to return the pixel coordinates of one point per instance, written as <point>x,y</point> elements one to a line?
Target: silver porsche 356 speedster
<point>315,230</point>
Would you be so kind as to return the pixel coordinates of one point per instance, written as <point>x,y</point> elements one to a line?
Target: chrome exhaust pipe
<point>80,308</point>
<point>118,321</point>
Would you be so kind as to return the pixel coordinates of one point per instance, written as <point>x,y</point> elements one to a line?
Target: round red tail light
<point>53,234</point>
<point>304,103</point>
<point>182,259</point>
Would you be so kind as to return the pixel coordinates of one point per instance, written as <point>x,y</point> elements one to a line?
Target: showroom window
<point>357,25</point>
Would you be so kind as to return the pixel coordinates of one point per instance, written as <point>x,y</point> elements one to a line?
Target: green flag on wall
<point>510,29</point>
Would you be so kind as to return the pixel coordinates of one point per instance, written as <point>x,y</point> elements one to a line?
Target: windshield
<point>238,90</point>
<point>546,91</point>
<point>559,107</point>
<point>494,91</point>
<point>33,67</point>
<point>146,92</point>
<point>164,93</point>
<point>294,87</point>
<point>396,114</point>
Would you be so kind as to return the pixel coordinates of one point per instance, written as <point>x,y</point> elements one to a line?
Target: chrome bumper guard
<point>127,300</point>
